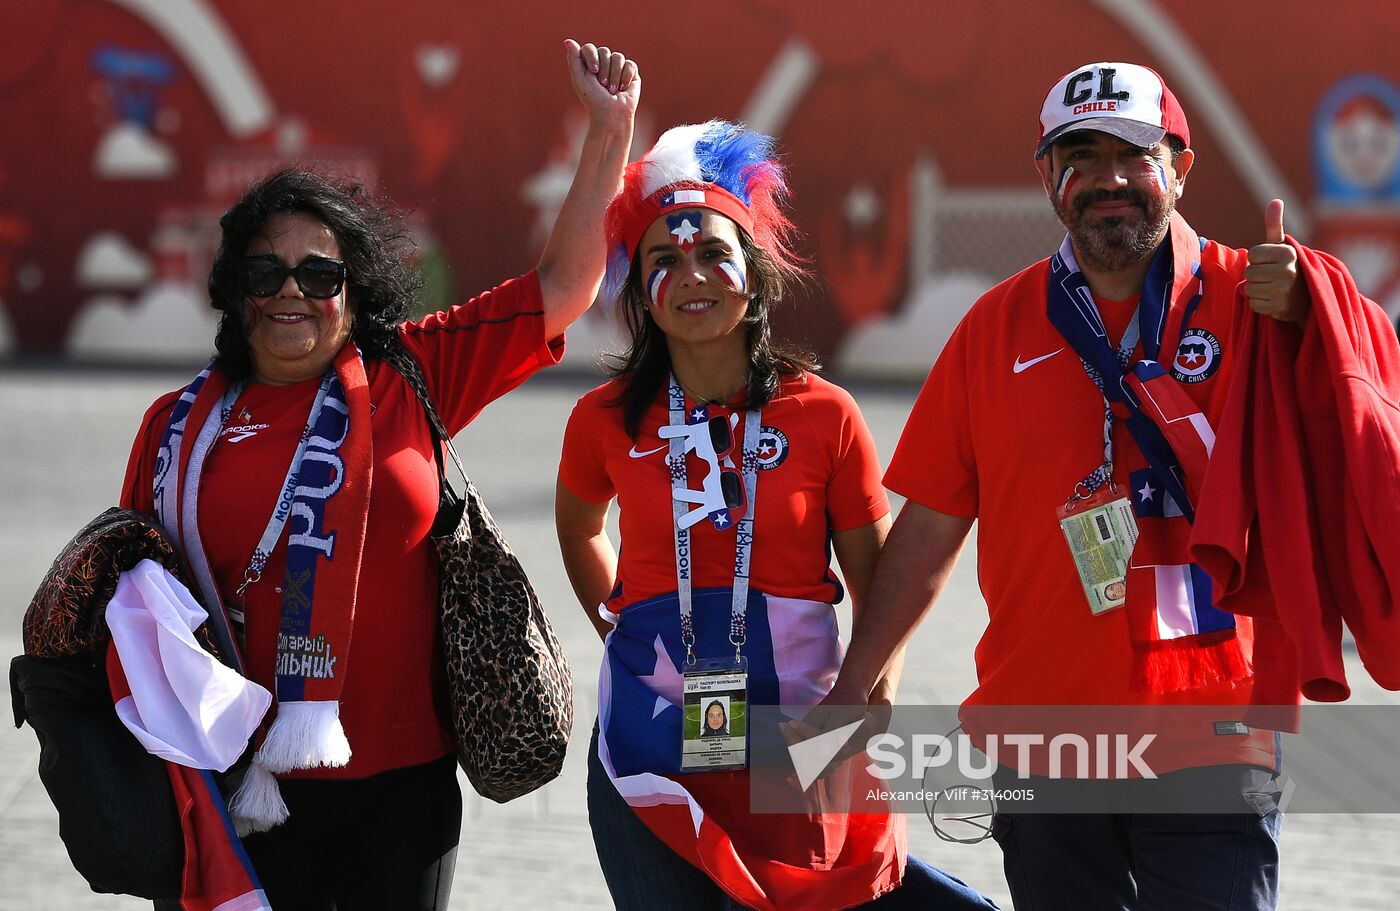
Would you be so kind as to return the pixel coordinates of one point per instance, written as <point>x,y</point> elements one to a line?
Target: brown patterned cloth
<point>66,616</point>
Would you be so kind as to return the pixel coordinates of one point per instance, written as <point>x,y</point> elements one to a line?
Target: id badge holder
<point>714,735</point>
<point>238,624</point>
<point>236,609</point>
<point>1100,531</point>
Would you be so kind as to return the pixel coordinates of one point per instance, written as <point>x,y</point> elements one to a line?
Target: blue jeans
<point>1149,861</point>
<point>642,872</point>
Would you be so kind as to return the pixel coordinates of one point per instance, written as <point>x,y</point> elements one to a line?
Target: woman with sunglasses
<point>297,476</point>
<point>735,469</point>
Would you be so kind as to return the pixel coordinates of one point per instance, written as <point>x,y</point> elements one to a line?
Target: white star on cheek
<point>664,678</point>
<point>685,232</point>
<point>1146,491</point>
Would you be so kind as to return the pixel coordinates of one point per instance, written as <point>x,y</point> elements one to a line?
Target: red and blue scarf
<point>324,503</point>
<point>1181,640</point>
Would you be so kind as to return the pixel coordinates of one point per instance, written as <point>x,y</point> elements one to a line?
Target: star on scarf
<point>1147,491</point>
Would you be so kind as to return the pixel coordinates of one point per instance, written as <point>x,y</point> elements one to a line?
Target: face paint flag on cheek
<point>732,276</point>
<point>657,284</point>
<point>1067,180</point>
<point>1161,173</point>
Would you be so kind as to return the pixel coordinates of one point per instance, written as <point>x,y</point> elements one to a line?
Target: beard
<point>1113,243</point>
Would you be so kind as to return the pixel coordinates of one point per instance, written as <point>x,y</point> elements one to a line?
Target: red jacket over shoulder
<point>1301,504</point>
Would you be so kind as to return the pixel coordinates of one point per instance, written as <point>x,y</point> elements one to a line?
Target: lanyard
<point>282,510</point>
<point>1103,474</point>
<point>711,504</point>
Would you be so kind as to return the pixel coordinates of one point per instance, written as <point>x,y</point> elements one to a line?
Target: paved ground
<point>62,452</point>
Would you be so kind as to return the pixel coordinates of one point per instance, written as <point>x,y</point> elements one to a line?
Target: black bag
<point>116,813</point>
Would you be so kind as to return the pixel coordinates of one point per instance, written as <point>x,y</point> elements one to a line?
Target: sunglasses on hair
<point>731,482</point>
<point>316,276</point>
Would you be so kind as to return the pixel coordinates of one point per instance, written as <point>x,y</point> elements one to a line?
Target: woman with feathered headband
<point>736,470</point>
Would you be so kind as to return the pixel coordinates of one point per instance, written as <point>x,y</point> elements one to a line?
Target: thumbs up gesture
<point>1271,278</point>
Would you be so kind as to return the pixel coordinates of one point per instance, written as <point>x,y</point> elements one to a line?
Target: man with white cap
<point>1071,412</point>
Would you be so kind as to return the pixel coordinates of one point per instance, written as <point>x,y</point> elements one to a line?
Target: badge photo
<point>1197,357</point>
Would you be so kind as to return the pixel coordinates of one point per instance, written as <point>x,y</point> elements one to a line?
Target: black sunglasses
<point>721,437</point>
<point>317,276</point>
<point>731,484</point>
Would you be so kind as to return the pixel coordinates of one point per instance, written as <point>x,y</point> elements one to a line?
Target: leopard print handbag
<point>509,681</point>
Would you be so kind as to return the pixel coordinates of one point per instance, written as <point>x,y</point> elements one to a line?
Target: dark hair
<point>646,364</point>
<point>1177,146</point>
<point>373,243</point>
<point>705,719</point>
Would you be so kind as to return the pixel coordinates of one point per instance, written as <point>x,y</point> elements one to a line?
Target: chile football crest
<point>772,447</point>
<point>1197,357</point>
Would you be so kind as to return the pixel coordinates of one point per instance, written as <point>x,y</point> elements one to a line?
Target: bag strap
<point>408,367</point>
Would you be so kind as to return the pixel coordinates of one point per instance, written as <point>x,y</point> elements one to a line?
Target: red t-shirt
<point>1005,425</point>
<point>819,473</point>
<point>470,354</point>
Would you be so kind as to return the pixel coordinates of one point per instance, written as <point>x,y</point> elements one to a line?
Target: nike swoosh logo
<point>641,455</point>
<point>1021,365</point>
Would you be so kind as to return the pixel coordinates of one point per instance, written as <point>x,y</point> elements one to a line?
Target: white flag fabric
<point>185,706</point>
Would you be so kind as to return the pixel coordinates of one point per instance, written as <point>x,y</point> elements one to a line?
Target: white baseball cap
<point>1125,100</point>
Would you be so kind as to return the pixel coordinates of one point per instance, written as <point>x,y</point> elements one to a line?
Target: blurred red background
<point>908,127</point>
